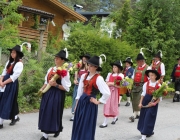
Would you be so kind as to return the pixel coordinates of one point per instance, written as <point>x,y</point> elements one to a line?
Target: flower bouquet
<point>126,84</point>
<point>60,72</point>
<point>161,91</point>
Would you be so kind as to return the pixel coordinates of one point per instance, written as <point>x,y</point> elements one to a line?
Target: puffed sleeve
<point>162,69</point>
<point>4,70</point>
<point>80,87</point>
<point>17,70</point>
<point>108,76</point>
<point>144,89</point>
<point>103,88</point>
<point>47,75</point>
<point>66,83</point>
<point>133,74</point>
<point>121,75</point>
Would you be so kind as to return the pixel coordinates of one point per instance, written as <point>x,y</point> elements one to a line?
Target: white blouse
<point>17,70</point>
<point>152,84</point>
<point>101,84</point>
<point>162,68</point>
<point>114,74</point>
<point>65,81</point>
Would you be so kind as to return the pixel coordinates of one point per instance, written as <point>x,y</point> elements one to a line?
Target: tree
<point>155,25</point>
<point>9,23</point>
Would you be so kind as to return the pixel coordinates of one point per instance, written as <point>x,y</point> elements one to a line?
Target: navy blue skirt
<point>84,124</point>
<point>8,100</point>
<point>51,111</point>
<point>147,117</point>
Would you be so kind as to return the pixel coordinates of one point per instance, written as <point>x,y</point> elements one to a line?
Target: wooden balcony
<point>29,35</point>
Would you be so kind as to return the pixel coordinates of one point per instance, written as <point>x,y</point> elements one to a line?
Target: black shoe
<point>1,126</point>
<point>132,118</point>
<point>56,134</point>
<point>103,126</point>
<point>113,122</point>
<point>127,104</point>
<point>43,138</point>
<point>13,122</point>
<point>118,105</point>
<point>150,135</point>
<point>137,117</point>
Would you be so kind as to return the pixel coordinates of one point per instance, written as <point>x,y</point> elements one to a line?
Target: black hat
<point>158,55</point>
<point>118,64</point>
<point>178,58</point>
<point>63,54</point>
<point>153,71</point>
<point>129,60</point>
<point>96,61</point>
<point>140,57</point>
<point>17,48</point>
<point>88,56</point>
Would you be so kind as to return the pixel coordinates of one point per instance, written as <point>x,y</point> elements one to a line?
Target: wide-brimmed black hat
<point>153,71</point>
<point>140,56</point>
<point>63,54</point>
<point>178,58</point>
<point>118,64</point>
<point>17,48</point>
<point>85,55</point>
<point>128,60</point>
<point>95,61</point>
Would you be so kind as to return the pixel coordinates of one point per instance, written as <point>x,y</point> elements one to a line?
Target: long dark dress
<point>8,100</point>
<point>147,117</point>
<point>84,124</point>
<point>51,110</point>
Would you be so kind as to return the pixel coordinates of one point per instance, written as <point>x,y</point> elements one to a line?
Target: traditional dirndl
<point>84,124</point>
<point>74,97</point>
<point>147,117</point>
<point>51,111</point>
<point>8,100</point>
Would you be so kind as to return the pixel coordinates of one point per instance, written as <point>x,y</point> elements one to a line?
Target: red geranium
<point>118,79</point>
<point>58,72</point>
<point>78,65</point>
<point>61,72</point>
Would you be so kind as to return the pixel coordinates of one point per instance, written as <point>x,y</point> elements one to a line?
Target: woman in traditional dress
<point>148,115</point>
<point>90,84</point>
<point>9,87</point>
<point>82,68</point>
<point>52,103</point>
<point>111,106</point>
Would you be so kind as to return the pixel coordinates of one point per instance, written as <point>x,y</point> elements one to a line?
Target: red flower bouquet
<point>118,80</point>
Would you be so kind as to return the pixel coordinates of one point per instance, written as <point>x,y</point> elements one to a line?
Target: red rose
<point>78,65</point>
<point>63,73</point>
<point>58,72</point>
<point>118,79</point>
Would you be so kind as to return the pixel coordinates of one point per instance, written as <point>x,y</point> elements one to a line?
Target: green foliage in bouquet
<point>162,91</point>
<point>127,82</point>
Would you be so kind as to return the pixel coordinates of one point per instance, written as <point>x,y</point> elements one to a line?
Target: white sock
<point>115,118</point>
<point>105,121</point>
<point>134,114</point>
<point>138,113</point>
<point>45,135</point>
<point>143,137</point>
<point>16,117</point>
<point>72,117</point>
<point>128,99</point>
<point>1,121</point>
<point>120,97</point>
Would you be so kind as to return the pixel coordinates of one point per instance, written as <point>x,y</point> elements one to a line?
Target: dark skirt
<point>147,117</point>
<point>51,111</point>
<point>8,100</point>
<point>85,118</point>
<point>176,97</point>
